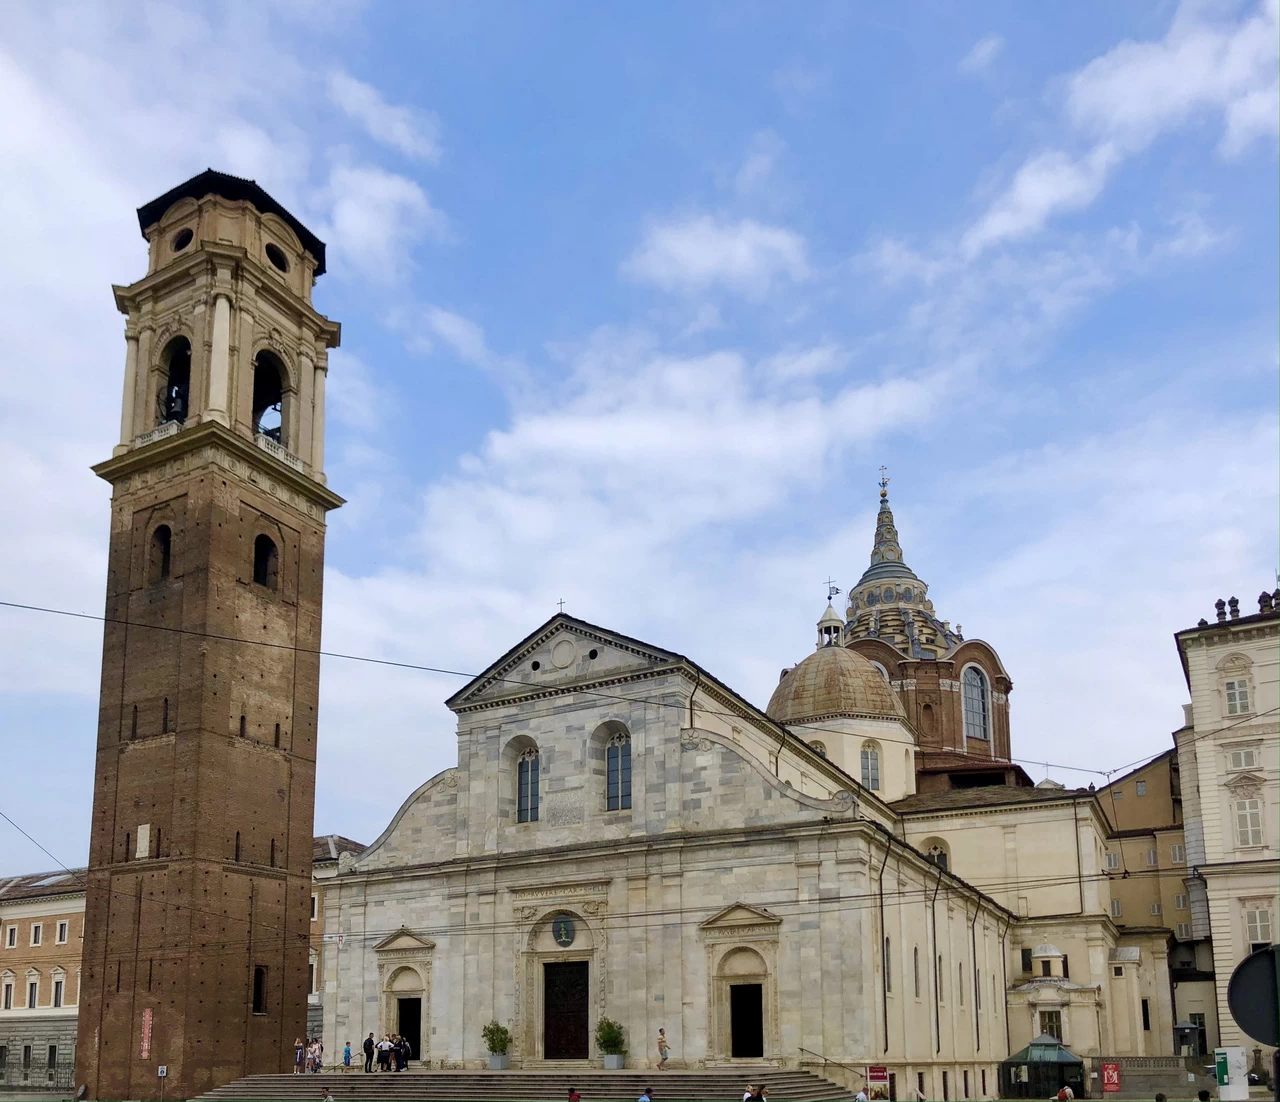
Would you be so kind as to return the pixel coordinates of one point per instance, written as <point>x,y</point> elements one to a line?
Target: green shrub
<point>609,1037</point>
<point>497,1036</point>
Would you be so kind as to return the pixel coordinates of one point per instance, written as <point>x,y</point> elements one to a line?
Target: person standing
<point>368,1047</point>
<point>663,1050</point>
<point>861,1096</point>
<point>346,1055</point>
<point>298,1050</point>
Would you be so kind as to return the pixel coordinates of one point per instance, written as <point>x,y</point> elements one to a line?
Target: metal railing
<point>38,1076</point>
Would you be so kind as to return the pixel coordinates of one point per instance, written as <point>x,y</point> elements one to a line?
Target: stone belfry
<point>198,910</point>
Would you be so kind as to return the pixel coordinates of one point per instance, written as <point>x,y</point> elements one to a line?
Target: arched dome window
<point>527,786</point>
<point>871,766</point>
<point>977,704</point>
<point>819,748</point>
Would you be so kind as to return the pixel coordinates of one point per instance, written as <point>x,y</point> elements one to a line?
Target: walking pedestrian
<point>663,1050</point>
<point>346,1055</point>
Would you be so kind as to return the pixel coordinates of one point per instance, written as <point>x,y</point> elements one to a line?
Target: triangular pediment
<point>563,653</point>
<point>1246,782</point>
<point>404,938</point>
<point>740,914</point>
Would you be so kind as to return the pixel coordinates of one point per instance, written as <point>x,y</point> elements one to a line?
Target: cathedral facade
<point>856,875</point>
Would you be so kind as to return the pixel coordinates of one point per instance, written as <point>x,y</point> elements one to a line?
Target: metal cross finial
<point>884,479</point>
<point>832,588</point>
<point>561,604</point>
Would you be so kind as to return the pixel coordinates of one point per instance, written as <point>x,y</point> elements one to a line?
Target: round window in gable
<point>276,255</point>
<point>535,665</point>
<point>181,240</point>
<point>593,654</point>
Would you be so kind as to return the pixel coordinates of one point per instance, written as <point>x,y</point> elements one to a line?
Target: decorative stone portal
<point>560,988</point>
<point>742,1003</point>
<point>404,981</point>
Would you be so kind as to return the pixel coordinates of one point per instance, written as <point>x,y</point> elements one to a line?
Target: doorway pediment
<point>740,916</point>
<point>403,941</point>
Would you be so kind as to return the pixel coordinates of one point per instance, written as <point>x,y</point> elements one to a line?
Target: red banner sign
<point>877,1081</point>
<point>1110,1077</point>
<point>146,1033</point>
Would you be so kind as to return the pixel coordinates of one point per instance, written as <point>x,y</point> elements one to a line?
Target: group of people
<point>392,1053</point>
<point>756,1092</point>
<point>308,1055</point>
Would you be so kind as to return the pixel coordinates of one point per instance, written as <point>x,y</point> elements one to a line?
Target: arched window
<point>960,982</point>
<point>161,552</point>
<point>977,709</point>
<point>819,748</point>
<point>888,966</point>
<point>915,968</point>
<point>617,756</point>
<point>268,397</point>
<point>266,562</point>
<point>936,853</point>
<point>237,849</point>
<point>871,766</point>
<point>527,787</point>
<point>175,394</point>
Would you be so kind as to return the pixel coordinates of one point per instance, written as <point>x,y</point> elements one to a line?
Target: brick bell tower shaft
<point>198,908</point>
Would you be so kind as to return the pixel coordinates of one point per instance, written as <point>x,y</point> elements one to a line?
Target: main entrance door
<point>410,1025</point>
<point>746,1019</point>
<point>564,1010</point>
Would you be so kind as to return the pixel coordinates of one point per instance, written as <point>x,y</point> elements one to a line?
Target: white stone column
<point>317,423</point>
<point>130,388</point>
<point>220,361</point>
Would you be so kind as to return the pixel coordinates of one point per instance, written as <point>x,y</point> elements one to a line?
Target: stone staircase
<point>531,1086</point>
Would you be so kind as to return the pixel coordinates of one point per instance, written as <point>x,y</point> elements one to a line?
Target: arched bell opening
<point>269,394</point>
<point>174,399</point>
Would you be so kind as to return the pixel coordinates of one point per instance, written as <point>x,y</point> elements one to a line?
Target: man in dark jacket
<point>368,1053</point>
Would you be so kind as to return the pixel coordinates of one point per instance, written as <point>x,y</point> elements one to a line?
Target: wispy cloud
<point>411,131</point>
<point>698,253</point>
<point>376,217</point>
<point>984,52</point>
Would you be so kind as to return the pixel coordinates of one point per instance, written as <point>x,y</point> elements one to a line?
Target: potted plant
<point>498,1038</point>
<point>610,1041</point>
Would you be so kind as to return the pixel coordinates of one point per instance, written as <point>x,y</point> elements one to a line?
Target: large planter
<point>499,1061</point>
<point>614,1061</point>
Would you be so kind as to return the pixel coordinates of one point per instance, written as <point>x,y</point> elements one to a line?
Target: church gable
<point>561,654</point>
<point>404,940</point>
<point>741,914</point>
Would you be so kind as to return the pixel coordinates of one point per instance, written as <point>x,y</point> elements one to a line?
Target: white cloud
<point>413,132</point>
<point>376,217</point>
<point>1128,97</point>
<point>1192,236</point>
<point>798,365</point>
<point>701,252</point>
<point>758,166</point>
<point>984,52</point>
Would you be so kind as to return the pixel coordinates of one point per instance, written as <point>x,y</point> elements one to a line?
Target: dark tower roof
<point>234,188</point>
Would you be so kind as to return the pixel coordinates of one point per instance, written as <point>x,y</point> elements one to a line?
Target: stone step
<point>529,1086</point>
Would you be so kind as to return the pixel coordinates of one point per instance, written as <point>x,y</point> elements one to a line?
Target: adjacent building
<point>1229,761</point>
<point>41,933</point>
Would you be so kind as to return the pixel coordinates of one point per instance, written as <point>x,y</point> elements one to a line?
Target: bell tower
<point>198,909</point>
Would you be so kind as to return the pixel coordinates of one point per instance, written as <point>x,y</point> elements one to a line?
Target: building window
<point>37,933</point>
<point>1140,788</point>
<point>1184,931</point>
<point>1153,858</point>
<point>1180,902</point>
<point>1118,972</point>
<point>1066,966</point>
<point>11,937</point>
<point>942,986</point>
<point>1046,969</point>
<point>966,1082</point>
<point>984,1082</point>
<point>52,1056</point>
<point>33,993</point>
<point>1117,793</point>
<point>937,855</point>
<point>259,989</point>
<point>946,1087</point>
<point>920,1083</point>
<point>266,562</point>
<point>871,766</point>
<point>1257,925</point>
<point>977,712</point>
<point>62,933</point>
<point>174,396</point>
<point>1237,697</point>
<point>915,968</point>
<point>1026,960</point>
<point>527,787</point>
<point>960,983</point>
<point>57,992</point>
<point>161,552</point>
<point>1113,860</point>
<point>1051,1023</point>
<point>312,987</point>
<point>1146,1015</point>
<point>818,748</point>
<point>1117,908</point>
<point>617,757</point>
<point>1177,853</point>
<point>888,967</point>
<point>1244,759</point>
<point>8,996</point>
<point>1156,908</point>
<point>26,1057</point>
<point>1249,822</point>
<point>268,397</point>
<point>315,904</point>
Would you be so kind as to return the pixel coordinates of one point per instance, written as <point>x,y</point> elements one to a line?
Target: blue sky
<point>636,300</point>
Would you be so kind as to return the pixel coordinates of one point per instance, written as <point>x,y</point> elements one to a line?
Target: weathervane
<point>833,590</point>
<point>884,482</point>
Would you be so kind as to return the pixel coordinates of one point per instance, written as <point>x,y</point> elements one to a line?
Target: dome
<point>1044,949</point>
<point>833,681</point>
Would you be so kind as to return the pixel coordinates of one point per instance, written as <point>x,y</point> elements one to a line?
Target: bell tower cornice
<point>214,443</point>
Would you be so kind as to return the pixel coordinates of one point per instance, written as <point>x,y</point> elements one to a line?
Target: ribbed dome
<point>833,681</point>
